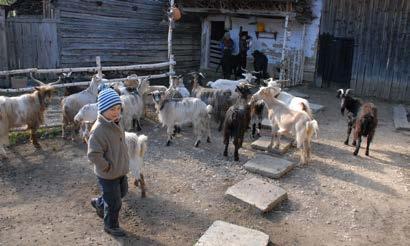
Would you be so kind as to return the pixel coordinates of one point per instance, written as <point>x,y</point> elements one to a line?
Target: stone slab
<point>263,142</point>
<point>258,193</point>
<point>400,118</point>
<point>221,233</point>
<point>298,94</point>
<point>269,166</point>
<point>316,107</point>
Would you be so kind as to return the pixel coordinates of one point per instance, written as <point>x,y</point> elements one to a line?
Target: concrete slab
<point>221,233</point>
<point>400,118</point>
<point>258,193</point>
<point>316,107</point>
<point>269,166</point>
<point>263,142</point>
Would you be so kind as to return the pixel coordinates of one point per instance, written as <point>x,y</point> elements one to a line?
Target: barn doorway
<point>335,60</point>
<point>217,33</point>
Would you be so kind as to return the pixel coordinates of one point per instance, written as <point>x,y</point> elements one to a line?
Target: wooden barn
<point>56,33</point>
<point>267,23</point>
<point>365,45</point>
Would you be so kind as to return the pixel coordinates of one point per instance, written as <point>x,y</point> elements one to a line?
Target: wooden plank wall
<point>381,30</point>
<point>3,41</point>
<point>32,42</point>
<point>124,32</point>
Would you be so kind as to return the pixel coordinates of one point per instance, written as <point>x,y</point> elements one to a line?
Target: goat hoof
<point>208,140</point>
<point>346,143</point>
<point>367,153</point>
<point>354,143</point>
<point>143,194</point>
<point>355,153</point>
<point>168,143</point>
<point>136,183</point>
<point>197,143</point>
<point>236,158</point>
<point>225,153</point>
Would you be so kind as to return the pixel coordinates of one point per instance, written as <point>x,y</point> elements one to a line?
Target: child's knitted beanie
<point>107,99</point>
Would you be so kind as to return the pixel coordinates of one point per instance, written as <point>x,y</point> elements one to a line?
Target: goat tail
<point>312,129</point>
<point>142,145</point>
<point>137,145</point>
<point>209,110</point>
<point>306,108</point>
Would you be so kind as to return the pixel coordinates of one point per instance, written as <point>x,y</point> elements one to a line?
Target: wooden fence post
<point>3,45</point>
<point>99,68</point>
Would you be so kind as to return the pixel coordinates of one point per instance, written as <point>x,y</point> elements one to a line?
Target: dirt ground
<point>338,199</point>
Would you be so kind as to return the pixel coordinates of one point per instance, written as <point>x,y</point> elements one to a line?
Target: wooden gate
<point>32,42</point>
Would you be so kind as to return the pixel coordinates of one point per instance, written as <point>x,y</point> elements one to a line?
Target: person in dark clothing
<point>227,46</point>
<point>243,48</point>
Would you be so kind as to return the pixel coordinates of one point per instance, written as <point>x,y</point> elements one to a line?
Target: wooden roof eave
<point>239,12</point>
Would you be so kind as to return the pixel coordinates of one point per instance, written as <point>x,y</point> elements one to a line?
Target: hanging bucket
<point>176,14</point>
<point>260,27</point>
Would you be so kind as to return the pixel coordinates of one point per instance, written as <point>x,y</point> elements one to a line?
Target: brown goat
<point>27,109</point>
<point>365,126</point>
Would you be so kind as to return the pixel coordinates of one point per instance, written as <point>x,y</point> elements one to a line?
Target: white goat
<point>173,112</point>
<point>178,84</point>
<point>295,103</point>
<point>88,112</point>
<point>27,109</point>
<point>288,121</point>
<point>137,146</point>
<point>73,103</point>
<point>133,105</point>
<point>227,84</point>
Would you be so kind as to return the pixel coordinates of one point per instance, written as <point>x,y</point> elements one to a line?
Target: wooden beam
<point>250,12</point>
<point>282,60</point>
<point>29,89</point>
<point>89,69</point>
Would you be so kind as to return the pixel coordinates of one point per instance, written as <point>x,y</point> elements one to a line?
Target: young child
<point>107,150</point>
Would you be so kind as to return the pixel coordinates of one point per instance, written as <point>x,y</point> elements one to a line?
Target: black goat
<point>352,106</point>
<point>237,120</point>
<point>260,65</point>
<point>365,126</point>
<point>257,110</point>
<point>361,117</point>
<point>231,64</point>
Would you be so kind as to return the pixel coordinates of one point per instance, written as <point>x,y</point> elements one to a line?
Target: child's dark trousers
<point>112,193</point>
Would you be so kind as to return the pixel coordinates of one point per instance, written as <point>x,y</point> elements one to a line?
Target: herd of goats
<point>236,106</point>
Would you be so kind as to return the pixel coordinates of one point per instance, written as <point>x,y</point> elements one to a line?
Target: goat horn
<point>36,80</point>
<point>348,91</point>
<point>56,82</point>
<point>340,92</point>
<point>202,75</point>
<point>243,69</point>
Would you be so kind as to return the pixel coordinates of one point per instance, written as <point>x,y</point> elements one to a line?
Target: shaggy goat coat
<point>27,109</point>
